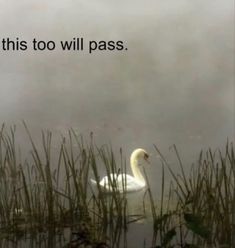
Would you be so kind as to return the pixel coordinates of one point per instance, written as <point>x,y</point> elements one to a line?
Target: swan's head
<point>140,153</point>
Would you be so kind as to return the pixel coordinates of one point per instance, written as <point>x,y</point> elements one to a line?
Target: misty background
<point>174,85</point>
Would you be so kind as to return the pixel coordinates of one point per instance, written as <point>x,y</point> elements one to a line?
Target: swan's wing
<point>114,180</point>
<point>93,181</point>
<point>105,181</point>
<point>130,183</point>
<point>123,182</point>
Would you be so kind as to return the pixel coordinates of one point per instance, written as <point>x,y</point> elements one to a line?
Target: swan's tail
<point>93,181</point>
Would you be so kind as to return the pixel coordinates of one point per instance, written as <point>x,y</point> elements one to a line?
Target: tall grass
<point>40,193</point>
<point>202,203</point>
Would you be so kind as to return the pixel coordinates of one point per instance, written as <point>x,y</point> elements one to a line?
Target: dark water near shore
<point>61,240</point>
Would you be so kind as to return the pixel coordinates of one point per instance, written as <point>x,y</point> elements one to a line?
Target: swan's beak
<point>146,158</point>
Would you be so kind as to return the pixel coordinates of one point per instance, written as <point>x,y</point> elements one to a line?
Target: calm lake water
<point>174,84</point>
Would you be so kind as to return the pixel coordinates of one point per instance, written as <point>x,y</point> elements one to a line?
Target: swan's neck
<point>135,169</point>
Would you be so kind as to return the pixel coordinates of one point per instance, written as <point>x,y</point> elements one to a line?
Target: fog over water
<point>174,85</point>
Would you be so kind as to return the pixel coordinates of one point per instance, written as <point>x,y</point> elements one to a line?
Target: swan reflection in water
<point>124,182</point>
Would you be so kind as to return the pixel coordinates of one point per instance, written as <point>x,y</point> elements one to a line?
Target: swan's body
<point>124,182</point>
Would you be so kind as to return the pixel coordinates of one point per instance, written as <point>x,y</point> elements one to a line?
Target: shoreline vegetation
<point>43,195</point>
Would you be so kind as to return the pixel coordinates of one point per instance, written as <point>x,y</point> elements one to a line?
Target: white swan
<point>124,182</point>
